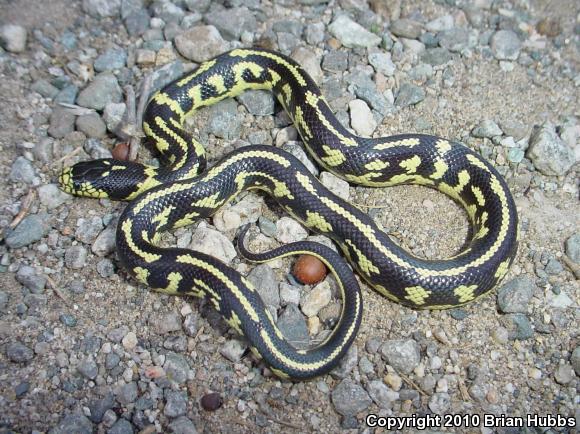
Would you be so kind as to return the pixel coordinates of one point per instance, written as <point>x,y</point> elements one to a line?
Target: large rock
<point>351,34</point>
<point>200,43</point>
<point>548,152</point>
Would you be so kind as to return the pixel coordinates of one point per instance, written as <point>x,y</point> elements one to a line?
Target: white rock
<point>285,135</point>
<point>309,61</point>
<point>316,299</point>
<point>352,34</point>
<point>214,243</point>
<point>113,114</point>
<point>439,24</point>
<point>247,210</point>
<point>200,43</point>
<point>13,38</point>
<point>361,117</point>
<point>129,341</point>
<point>289,230</point>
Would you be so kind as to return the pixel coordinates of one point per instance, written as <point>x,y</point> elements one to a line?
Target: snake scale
<point>182,191</point>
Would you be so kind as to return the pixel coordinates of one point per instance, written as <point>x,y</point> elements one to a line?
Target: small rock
<point>258,102</point>
<point>112,360</point>
<point>75,257</point>
<point>214,243</point>
<point>200,43</point>
<point>19,353</point>
<point>113,115</point>
<point>455,40</point>
<point>548,152</point>
<point>23,171</point>
<point>113,58</point>
<point>440,24</point>
<point>127,393</point>
<point>505,45</point>
<point>295,149</point>
<point>575,360</point>
<point>88,368</point>
<point>349,398</point>
<point>293,326</point>
<point>564,374</point>
<point>99,407</point>
<point>361,117</point>
<point>315,33</point>
<point>170,322</point>
<point>573,247</point>
<point>62,123</point>
<point>182,425</point>
<point>351,34</point>
<point>105,268</point>
<point>30,229</point>
<point>440,403</point>
<point>231,23</point>
<point>44,88</point>
<point>436,56</point>
<point>176,368</point>
<point>102,8</point>
<point>233,350</point>
<point>335,61</point>
<point>336,185</point>
<point>316,299</point>
<point>382,63</point>
<point>289,230</point>
<point>519,326</point>
<point>406,28</point>
<point>175,403</point>
<point>105,243</point>
<point>121,426</point>
<point>487,129</point>
<point>264,280</point>
<point>28,277</point>
<point>73,423</point>
<point>403,355</point>
<point>381,394</point>
<point>515,295</point>
<point>103,90</point>
<point>409,94</point>
<point>309,61</point>
<point>347,363</point>
<point>91,125</point>
<point>21,389</point>
<point>13,38</point>
<point>51,196</point>
<point>68,320</point>
<point>129,341</point>
<point>224,120</point>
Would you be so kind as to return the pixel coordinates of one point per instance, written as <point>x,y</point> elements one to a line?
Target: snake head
<point>99,178</point>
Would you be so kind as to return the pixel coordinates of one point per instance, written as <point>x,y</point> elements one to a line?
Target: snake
<point>182,190</point>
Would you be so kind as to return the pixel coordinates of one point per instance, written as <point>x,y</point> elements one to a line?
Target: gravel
<point>86,348</point>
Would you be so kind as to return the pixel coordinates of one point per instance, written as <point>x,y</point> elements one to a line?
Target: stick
<point>26,204</point>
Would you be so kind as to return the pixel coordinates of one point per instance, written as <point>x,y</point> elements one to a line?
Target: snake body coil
<point>182,192</point>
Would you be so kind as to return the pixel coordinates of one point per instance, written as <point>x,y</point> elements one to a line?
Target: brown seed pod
<point>309,269</point>
<point>121,151</point>
<point>211,401</point>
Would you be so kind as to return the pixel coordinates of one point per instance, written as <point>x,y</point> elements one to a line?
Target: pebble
<point>167,11</point>
<point>295,149</point>
<point>137,22</point>
<point>211,401</point>
<point>351,34</point>
<point>233,350</point>
<point>289,230</point>
<point>550,155</point>
<point>103,90</point>
<point>406,28</point>
<point>436,56</point>
<point>456,40</point>
<point>52,196</point>
<point>314,33</point>
<point>176,367</point>
<point>440,24</point>
<point>381,394</point>
<point>45,89</point>
<point>258,102</point>
<point>293,326</point>
<point>23,171</point>
<point>31,229</point>
<point>231,23</point>
<point>335,61</point>
<point>519,326</point>
<point>316,299</point>
<point>88,368</point>
<point>62,123</point>
<point>175,403</point>
<point>486,129</point>
<point>361,118</point>
<point>88,229</point>
<point>74,422</point>
<point>214,243</point>
<point>112,360</point>
<point>289,294</point>
<point>505,45</point>
<point>170,322</point>
<point>182,425</point>
<point>382,63</point>
<point>129,341</point>
<point>346,364</point>
<point>393,381</point>
<point>92,125</point>
<point>500,335</point>
<point>409,94</point>
<point>224,121</point>
<point>13,38</point>
<point>102,8</point>
<point>113,58</point>
<point>264,280</point>
<point>68,320</point>
<point>515,295</point>
<point>336,185</point>
<point>28,277</point>
<point>75,257</point>
<point>403,355</point>
<point>310,61</point>
<point>99,407</point>
<point>564,374</point>
<point>127,393</point>
<point>105,243</point>
<point>573,247</point>
<point>200,43</point>
<point>349,398</point>
<point>21,389</point>
<point>121,426</point>
<point>18,352</point>
<point>440,402</point>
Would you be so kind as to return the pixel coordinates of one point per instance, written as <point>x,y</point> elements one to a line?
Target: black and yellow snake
<point>182,192</point>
